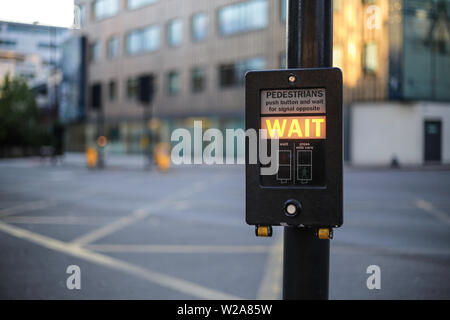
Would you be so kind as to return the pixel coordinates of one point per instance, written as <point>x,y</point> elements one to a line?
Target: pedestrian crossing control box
<point>303,109</point>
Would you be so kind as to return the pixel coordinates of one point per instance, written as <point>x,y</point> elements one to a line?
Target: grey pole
<point>101,132</point>
<point>306,260</point>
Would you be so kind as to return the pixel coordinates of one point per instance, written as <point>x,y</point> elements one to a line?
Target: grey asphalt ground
<point>182,235</point>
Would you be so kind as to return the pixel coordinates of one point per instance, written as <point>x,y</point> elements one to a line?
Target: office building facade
<point>197,52</point>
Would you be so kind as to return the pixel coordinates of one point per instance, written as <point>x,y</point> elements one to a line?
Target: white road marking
<point>114,226</point>
<point>121,223</point>
<point>180,249</point>
<point>57,220</point>
<point>339,247</point>
<point>270,288</point>
<point>161,279</point>
<point>432,211</point>
<point>43,204</point>
<point>28,206</point>
<point>138,215</point>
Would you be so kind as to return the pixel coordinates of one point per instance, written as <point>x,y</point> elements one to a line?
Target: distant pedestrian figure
<point>394,162</point>
<point>57,142</point>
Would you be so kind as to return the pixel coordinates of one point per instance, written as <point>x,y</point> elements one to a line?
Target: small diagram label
<point>304,166</point>
<point>284,174</point>
<point>293,101</point>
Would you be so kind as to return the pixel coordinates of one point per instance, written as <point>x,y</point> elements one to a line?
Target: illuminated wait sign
<point>295,127</point>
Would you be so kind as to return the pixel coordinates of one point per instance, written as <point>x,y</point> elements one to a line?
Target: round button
<point>292,208</point>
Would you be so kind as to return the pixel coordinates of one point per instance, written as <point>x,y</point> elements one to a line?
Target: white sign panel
<point>293,101</point>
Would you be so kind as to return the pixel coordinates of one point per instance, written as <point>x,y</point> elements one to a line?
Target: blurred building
<point>394,56</point>
<point>33,51</point>
<point>411,124</point>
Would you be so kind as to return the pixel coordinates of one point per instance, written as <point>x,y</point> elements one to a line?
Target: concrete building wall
<point>215,50</point>
<point>351,33</point>
<point>382,131</point>
<point>358,25</point>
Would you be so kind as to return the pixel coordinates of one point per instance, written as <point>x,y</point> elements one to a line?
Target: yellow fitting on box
<point>263,231</point>
<point>325,234</point>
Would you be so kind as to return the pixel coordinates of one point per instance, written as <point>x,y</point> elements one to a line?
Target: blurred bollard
<point>162,156</point>
<point>91,157</point>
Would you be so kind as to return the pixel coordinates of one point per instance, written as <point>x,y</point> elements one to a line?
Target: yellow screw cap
<point>324,234</point>
<point>263,231</point>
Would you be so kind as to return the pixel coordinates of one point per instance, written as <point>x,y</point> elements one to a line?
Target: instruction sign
<point>294,101</point>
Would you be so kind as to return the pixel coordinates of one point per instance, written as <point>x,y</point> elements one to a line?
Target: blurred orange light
<point>102,141</point>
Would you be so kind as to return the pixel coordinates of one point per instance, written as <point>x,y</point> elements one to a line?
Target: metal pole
<point>306,260</point>
<point>101,132</point>
<point>148,136</point>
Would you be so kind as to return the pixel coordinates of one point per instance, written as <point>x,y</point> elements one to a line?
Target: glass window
<point>112,88</point>
<point>370,57</point>
<point>134,4</point>
<point>95,51</point>
<point>233,74</point>
<point>81,15</point>
<point>173,83</point>
<point>113,47</point>
<point>114,133</point>
<point>134,42</point>
<point>151,38</point>
<point>199,26</point>
<point>47,45</point>
<point>96,96</point>
<point>132,88</point>
<point>242,17</point>
<point>338,57</point>
<point>175,32</point>
<point>337,5</point>
<point>227,75</point>
<point>7,43</point>
<point>105,8</point>
<point>283,63</point>
<point>143,40</point>
<point>198,79</point>
<point>283,10</point>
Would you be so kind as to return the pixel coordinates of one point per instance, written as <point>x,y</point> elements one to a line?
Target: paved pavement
<point>182,235</point>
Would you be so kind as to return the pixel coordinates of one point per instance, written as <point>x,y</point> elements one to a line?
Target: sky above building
<point>45,12</point>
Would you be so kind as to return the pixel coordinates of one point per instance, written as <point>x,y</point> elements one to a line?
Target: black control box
<point>303,109</point>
